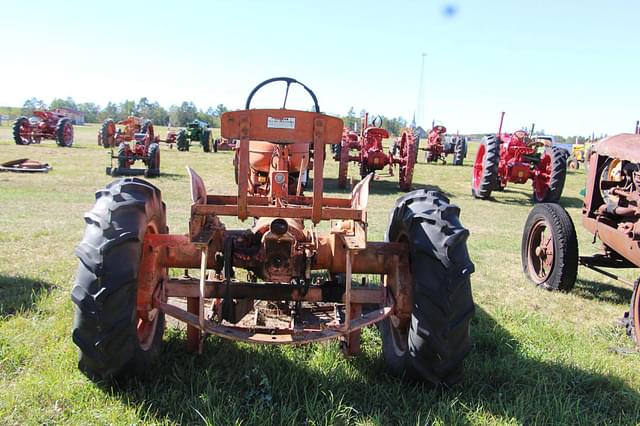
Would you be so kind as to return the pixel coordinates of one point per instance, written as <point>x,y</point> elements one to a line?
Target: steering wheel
<point>520,134</point>
<point>377,121</point>
<point>289,81</point>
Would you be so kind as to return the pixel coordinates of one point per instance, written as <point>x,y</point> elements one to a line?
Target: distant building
<point>76,116</point>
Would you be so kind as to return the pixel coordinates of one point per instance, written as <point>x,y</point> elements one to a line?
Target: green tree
<point>32,104</point>
<point>90,111</point>
<point>63,103</point>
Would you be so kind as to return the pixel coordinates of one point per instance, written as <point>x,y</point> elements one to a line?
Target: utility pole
<point>420,110</point>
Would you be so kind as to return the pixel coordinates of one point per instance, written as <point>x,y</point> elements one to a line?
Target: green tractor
<point>197,130</point>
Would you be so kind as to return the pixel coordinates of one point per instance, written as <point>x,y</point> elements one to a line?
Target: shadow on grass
<point>382,186</point>
<point>595,290</point>
<point>233,383</point>
<point>520,198</point>
<point>18,294</point>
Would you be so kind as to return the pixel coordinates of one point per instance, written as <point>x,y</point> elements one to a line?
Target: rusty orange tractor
<point>134,140</point>
<point>299,282</point>
<point>369,152</point>
<point>43,125</point>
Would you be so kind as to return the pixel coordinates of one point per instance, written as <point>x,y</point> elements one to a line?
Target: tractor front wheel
<point>551,171</point>
<point>573,163</point>
<point>64,133</point>
<point>459,151</point>
<point>114,338</point>
<point>549,248</point>
<point>433,343</point>
<point>485,168</point>
<point>205,140</point>
<point>22,131</point>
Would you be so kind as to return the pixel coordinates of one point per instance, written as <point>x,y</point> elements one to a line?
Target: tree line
<point>178,115</point>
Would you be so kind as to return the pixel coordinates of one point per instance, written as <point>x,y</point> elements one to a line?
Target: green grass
<point>537,357</point>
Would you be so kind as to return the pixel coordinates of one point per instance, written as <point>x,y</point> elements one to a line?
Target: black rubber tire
<point>215,144</point>
<point>437,340</point>
<point>558,175</point>
<point>490,168</point>
<point>16,131</point>
<point>153,164</point>
<point>205,140</point>
<point>104,138</point>
<point>122,156</point>
<point>181,140</point>
<point>105,289</point>
<point>565,247</point>
<point>572,163</point>
<point>459,150</point>
<point>62,123</point>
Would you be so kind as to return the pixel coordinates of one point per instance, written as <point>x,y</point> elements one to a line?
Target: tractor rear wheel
<point>485,168</point>
<point>107,133</point>
<point>551,172</point>
<point>21,128</point>
<point>181,140</point>
<point>433,344</point>
<point>64,133</point>
<point>549,248</point>
<point>343,167</point>
<point>205,140</point>
<point>459,150</point>
<point>114,338</point>
<point>153,163</point>
<point>408,157</point>
<point>633,317</point>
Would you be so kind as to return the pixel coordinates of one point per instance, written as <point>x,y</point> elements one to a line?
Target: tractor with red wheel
<point>439,146</point>
<point>516,157</point>
<point>301,285</point>
<point>610,213</point>
<point>43,125</point>
<point>133,141</point>
<point>369,152</point>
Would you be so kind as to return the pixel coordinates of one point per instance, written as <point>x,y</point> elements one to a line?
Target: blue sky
<point>571,67</point>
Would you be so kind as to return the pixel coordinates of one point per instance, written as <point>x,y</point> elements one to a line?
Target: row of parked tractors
<point>304,285</point>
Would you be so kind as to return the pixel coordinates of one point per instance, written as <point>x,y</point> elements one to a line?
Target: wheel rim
<point>478,167</point>
<point>68,134</point>
<point>146,329</point>
<point>540,253</point>
<point>542,178</point>
<point>25,132</point>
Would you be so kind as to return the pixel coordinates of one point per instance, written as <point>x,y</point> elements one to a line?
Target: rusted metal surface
<point>625,146</point>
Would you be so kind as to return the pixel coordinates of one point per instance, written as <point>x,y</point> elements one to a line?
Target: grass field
<point>537,357</point>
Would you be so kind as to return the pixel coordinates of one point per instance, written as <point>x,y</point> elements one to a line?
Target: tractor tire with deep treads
<point>205,140</point>
<point>16,127</point>
<point>459,150</point>
<point>113,340</point>
<point>557,174</point>
<point>153,164</point>
<point>485,167</point>
<point>435,341</point>
<point>550,226</point>
<point>107,133</point>
<point>181,140</point>
<point>64,133</point>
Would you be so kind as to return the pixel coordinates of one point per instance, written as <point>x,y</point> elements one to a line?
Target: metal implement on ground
<point>365,149</point>
<point>516,157</point>
<point>282,280</point>
<point>43,125</point>
<point>611,213</point>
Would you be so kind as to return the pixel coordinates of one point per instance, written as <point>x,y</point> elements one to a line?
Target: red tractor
<point>44,125</point>
<point>301,285</point>
<point>515,157</point>
<point>610,213</point>
<point>135,141</point>
<point>439,145</point>
<point>370,153</point>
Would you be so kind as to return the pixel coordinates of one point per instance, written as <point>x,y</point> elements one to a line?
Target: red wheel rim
<point>68,134</point>
<point>542,177</point>
<point>25,132</point>
<point>478,167</point>
<point>145,327</point>
<point>540,254</point>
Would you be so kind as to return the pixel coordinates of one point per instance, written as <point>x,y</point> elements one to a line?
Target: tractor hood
<point>625,146</point>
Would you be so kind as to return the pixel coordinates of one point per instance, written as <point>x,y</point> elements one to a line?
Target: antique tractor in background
<point>133,140</point>
<point>44,125</point>
<point>197,130</point>
<point>299,282</point>
<point>370,155</point>
<point>515,157</point>
<point>610,212</point>
<point>439,145</point>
